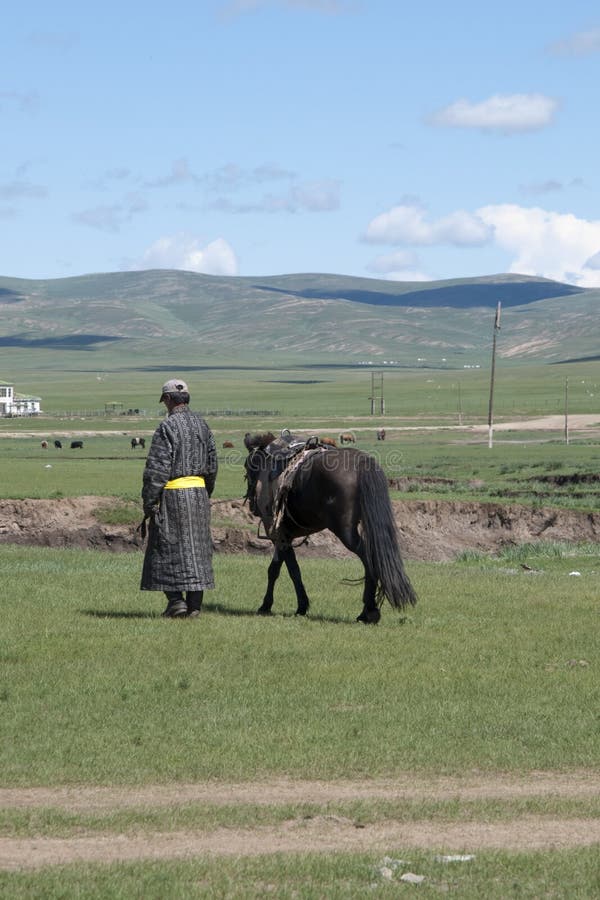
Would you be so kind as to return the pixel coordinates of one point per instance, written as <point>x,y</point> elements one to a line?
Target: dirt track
<point>320,833</point>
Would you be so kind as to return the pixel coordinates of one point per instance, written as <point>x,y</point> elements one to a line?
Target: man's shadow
<point>209,608</point>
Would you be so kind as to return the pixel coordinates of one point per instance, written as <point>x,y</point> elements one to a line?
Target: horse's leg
<point>293,568</point>
<point>272,576</point>
<point>370,614</point>
<point>351,539</point>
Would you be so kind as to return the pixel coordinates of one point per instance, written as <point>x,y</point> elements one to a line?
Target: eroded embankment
<point>434,530</point>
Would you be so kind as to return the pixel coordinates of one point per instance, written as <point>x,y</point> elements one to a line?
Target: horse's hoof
<point>369,618</point>
<point>261,611</point>
<point>301,612</point>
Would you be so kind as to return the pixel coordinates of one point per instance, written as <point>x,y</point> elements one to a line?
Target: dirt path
<point>576,422</point>
<point>323,833</point>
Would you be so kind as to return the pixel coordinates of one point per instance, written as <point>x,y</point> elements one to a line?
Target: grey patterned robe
<point>179,550</point>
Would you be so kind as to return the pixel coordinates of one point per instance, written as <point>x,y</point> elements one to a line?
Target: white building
<point>13,405</point>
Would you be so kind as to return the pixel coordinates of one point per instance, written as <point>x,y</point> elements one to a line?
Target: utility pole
<point>377,391</point>
<point>491,406</point>
<point>460,417</point>
<point>567,410</point>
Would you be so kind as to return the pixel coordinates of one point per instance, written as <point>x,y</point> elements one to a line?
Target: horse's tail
<point>380,538</point>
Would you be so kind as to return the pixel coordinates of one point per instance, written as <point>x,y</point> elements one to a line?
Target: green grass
<point>495,670</point>
<point>429,396</point>
<point>97,688</point>
<point>562,874</point>
<point>51,821</point>
<point>430,465</point>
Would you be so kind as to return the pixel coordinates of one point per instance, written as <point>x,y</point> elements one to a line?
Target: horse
<point>331,442</point>
<point>381,434</point>
<point>347,438</point>
<point>227,445</point>
<point>138,442</point>
<point>321,487</point>
<point>76,445</point>
<point>58,445</point>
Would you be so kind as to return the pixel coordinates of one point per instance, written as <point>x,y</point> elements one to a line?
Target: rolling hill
<point>297,319</point>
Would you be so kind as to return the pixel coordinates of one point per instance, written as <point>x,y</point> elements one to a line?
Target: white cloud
<point>582,43</point>
<point>182,251</point>
<point>542,187</point>
<point>317,196</point>
<point>541,242</point>
<point>307,196</point>
<point>408,275</point>
<point>391,262</point>
<point>25,101</point>
<point>180,174</point>
<point>545,243</point>
<point>18,189</point>
<point>505,113</point>
<point>408,224</point>
<point>593,262</point>
<point>110,217</point>
<point>398,266</point>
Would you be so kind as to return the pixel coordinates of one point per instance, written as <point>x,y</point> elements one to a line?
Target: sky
<point>375,138</point>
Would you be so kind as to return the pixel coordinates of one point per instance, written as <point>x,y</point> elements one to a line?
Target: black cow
<point>138,442</point>
<point>76,445</point>
<point>58,445</point>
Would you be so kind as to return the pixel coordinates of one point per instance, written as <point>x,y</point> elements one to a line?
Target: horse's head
<point>258,441</point>
<point>256,464</point>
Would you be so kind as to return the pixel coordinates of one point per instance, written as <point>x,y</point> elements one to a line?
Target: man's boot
<point>176,606</point>
<point>194,603</point>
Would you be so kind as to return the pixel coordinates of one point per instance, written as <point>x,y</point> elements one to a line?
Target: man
<point>179,477</point>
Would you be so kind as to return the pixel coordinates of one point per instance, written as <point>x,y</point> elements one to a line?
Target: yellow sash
<point>188,481</point>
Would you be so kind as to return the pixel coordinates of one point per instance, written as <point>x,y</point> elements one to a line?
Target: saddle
<point>283,449</point>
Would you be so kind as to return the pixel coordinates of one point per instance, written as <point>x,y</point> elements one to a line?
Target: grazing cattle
<point>227,445</point>
<point>381,434</point>
<point>76,445</point>
<point>329,442</point>
<point>347,438</point>
<point>44,445</point>
<point>138,442</point>
<point>58,445</point>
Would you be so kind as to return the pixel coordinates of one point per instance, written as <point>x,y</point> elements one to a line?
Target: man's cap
<point>174,386</point>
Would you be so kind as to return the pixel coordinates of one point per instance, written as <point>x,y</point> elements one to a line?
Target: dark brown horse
<point>297,492</point>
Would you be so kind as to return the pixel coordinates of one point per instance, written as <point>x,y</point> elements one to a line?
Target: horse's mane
<point>258,441</point>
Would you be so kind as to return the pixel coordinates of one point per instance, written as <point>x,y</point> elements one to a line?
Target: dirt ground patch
<point>322,833</point>
<point>434,530</point>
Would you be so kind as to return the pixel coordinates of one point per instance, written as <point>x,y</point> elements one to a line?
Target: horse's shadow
<point>213,608</point>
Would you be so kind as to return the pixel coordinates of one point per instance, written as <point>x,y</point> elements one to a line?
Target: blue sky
<point>261,137</point>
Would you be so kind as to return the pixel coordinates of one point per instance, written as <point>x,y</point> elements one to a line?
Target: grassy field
<point>566,875</point>
<point>126,697</point>
<point>528,468</point>
<point>335,392</point>
<point>495,670</point>
<point>98,689</point>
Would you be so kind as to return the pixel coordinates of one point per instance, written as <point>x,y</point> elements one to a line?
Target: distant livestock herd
<point>78,445</point>
<point>75,445</point>
<point>345,438</point>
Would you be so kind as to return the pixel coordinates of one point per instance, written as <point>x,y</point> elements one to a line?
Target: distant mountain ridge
<point>303,317</point>
<point>458,296</point>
